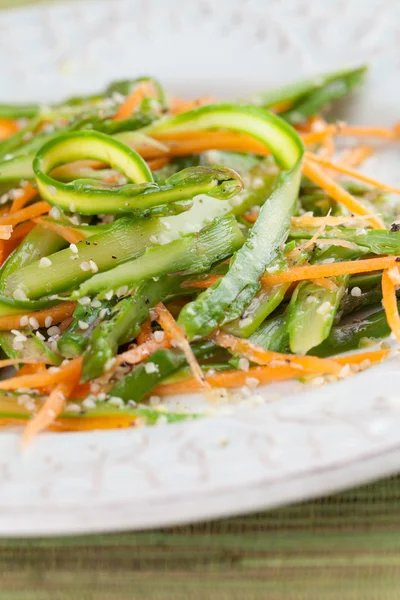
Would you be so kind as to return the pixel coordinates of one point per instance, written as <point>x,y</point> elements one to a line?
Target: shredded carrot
<point>175,333</point>
<point>192,142</point>
<point>339,129</point>
<point>327,147</point>
<point>337,242</point>
<point>27,194</point>
<point>72,236</point>
<point>31,381</point>
<point>365,265</point>
<point>229,379</point>
<point>25,214</point>
<point>158,163</point>
<point>257,354</point>
<point>179,106</point>
<point>201,283</point>
<point>352,173</point>
<point>358,358</point>
<point>68,378</point>
<point>338,193</point>
<point>57,313</point>
<point>139,354</point>
<point>356,156</point>
<point>310,243</point>
<point>309,272</point>
<point>311,221</point>
<point>9,362</point>
<point>326,283</point>
<point>145,332</point>
<point>390,279</point>
<point>144,89</point>
<point>7,128</point>
<point>30,369</point>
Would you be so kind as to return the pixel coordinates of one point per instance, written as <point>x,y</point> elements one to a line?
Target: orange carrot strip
<point>174,332</point>
<point>28,193</point>
<point>9,362</point>
<point>389,300</point>
<point>257,354</point>
<point>55,403</point>
<point>30,369</point>
<point>190,142</point>
<point>309,272</point>
<point>139,354</point>
<point>179,106</point>
<point>281,106</point>
<point>141,91</point>
<point>57,313</point>
<point>358,358</point>
<point>356,156</point>
<point>339,194</point>
<point>7,128</point>
<point>145,333</point>
<point>311,221</point>
<point>158,163</point>
<point>229,379</point>
<point>328,284</point>
<point>352,173</point>
<point>25,214</point>
<point>70,235</point>
<point>331,270</point>
<point>339,129</point>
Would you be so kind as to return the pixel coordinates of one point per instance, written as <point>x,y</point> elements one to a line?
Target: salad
<point>153,246</point>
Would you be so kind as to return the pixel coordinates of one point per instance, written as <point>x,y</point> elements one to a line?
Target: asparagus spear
<point>308,97</point>
<point>125,239</point>
<point>75,339</point>
<point>124,324</point>
<point>349,336</point>
<point>141,380</point>
<point>192,253</point>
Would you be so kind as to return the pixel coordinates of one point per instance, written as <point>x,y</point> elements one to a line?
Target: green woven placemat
<point>343,547</point>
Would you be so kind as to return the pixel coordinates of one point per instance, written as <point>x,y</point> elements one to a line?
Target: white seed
<point>85,266</point>
<point>93,267</point>
<point>159,336</point>
<point>85,300</point>
<point>20,338</point>
<point>96,303</point>
<point>44,262</point>
<point>89,403</point>
<point>24,321</point>
<point>151,367</point>
<point>48,321</point>
<point>54,330</point>
<point>109,294</point>
<point>40,336</point>
<point>54,213</point>
<point>15,332</point>
<point>115,401</point>
<point>73,408</point>
<point>243,364</point>
<point>356,292</point>
<point>252,382</point>
<point>34,323</point>
<point>83,325</point>
<point>73,248</point>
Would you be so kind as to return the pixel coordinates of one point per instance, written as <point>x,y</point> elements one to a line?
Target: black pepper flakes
<point>113,256</point>
<point>395,227</point>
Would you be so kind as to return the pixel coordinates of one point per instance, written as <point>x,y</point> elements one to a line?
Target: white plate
<point>307,443</point>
